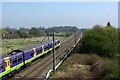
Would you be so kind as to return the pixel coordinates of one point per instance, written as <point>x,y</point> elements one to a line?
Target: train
<point>14,62</point>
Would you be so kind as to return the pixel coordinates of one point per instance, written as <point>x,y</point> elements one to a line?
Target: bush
<point>101,41</point>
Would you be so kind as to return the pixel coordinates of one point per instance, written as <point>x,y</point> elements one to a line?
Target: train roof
<point>36,45</point>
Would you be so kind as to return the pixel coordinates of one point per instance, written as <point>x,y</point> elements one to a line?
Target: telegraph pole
<point>54,53</point>
<point>48,35</point>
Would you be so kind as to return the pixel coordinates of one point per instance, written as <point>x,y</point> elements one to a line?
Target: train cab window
<point>1,66</point>
<point>19,58</point>
<point>31,53</point>
<point>14,61</point>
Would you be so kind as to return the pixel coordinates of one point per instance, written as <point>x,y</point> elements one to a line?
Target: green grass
<point>11,44</point>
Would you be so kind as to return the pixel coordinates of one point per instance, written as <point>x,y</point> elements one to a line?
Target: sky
<point>48,14</point>
<point>59,0</point>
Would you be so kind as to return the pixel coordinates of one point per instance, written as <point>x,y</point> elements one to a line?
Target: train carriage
<point>16,61</point>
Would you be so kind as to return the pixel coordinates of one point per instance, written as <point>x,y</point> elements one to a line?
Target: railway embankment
<point>86,66</point>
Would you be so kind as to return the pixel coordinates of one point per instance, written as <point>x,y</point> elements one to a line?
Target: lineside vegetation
<point>97,56</point>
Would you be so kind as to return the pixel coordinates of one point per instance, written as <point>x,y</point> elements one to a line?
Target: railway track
<point>57,57</point>
<point>38,66</point>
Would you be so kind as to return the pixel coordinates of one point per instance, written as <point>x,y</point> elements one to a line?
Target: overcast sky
<point>48,14</point>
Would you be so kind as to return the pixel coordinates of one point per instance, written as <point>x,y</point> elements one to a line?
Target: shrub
<point>101,41</point>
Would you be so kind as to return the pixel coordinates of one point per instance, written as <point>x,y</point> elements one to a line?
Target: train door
<point>7,63</point>
<point>42,48</point>
<point>34,52</point>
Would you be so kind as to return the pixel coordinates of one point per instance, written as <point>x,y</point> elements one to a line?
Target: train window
<point>58,42</point>
<point>19,58</point>
<point>40,49</point>
<point>37,50</point>
<point>55,43</point>
<point>51,45</point>
<point>14,61</point>
<point>31,53</point>
<point>46,47</point>
<point>1,66</point>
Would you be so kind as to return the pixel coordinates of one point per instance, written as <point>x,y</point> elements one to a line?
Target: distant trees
<point>23,33</point>
<point>64,29</point>
<point>100,40</point>
<point>10,33</point>
<point>34,31</point>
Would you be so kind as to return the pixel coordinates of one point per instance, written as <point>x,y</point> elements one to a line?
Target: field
<point>11,44</point>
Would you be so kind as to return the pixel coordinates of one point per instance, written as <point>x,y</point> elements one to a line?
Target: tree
<point>111,32</point>
<point>10,33</point>
<point>108,24</point>
<point>24,32</point>
<point>35,32</point>
<point>3,33</point>
<point>100,40</point>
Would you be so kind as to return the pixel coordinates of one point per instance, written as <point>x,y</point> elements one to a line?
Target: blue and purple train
<point>11,63</point>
